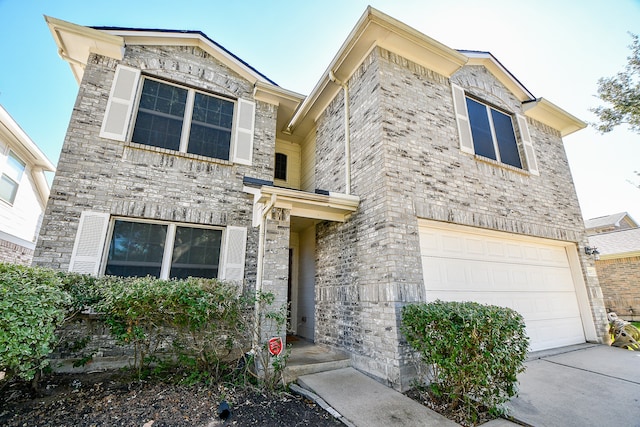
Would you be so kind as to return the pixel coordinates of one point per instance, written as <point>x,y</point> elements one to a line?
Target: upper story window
<point>280,167</point>
<point>11,176</point>
<point>178,118</point>
<point>490,133</point>
<point>184,120</point>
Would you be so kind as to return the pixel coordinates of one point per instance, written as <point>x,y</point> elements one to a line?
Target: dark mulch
<point>114,399</point>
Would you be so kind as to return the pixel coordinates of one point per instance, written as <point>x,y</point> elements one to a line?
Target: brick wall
<point>15,254</point>
<point>134,180</point>
<point>406,164</point>
<point>620,282</point>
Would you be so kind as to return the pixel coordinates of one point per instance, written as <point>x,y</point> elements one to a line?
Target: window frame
<point>16,184</point>
<point>523,140</point>
<point>167,257</point>
<point>285,157</point>
<point>187,118</point>
<point>489,108</point>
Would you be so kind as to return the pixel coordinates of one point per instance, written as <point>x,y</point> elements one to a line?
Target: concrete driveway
<point>583,385</point>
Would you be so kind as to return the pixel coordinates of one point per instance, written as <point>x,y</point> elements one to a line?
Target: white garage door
<point>532,276</point>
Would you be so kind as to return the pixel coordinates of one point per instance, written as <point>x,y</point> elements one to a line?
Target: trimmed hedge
<point>473,352</point>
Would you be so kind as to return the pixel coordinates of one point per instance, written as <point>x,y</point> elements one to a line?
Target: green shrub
<point>32,305</point>
<point>473,353</point>
<point>202,322</point>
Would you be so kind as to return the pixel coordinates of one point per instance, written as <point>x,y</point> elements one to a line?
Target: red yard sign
<point>275,346</point>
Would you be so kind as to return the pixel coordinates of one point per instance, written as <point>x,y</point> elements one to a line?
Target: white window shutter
<point>462,119</point>
<point>89,244</point>
<point>243,135</point>
<point>120,105</point>
<point>234,254</point>
<point>527,143</point>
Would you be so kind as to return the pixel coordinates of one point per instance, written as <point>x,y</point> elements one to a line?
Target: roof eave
<point>551,115</point>
<point>76,42</point>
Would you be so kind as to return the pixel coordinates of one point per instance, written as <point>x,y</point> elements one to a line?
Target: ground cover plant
<point>470,356</point>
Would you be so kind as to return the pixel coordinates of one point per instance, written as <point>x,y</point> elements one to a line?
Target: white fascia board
<point>551,115</point>
<point>22,144</point>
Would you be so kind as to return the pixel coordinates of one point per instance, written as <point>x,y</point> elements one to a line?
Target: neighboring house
<point>411,172</point>
<point>605,224</point>
<point>24,191</point>
<point>618,262</point>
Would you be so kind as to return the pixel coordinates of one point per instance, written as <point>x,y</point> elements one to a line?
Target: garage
<point>531,275</point>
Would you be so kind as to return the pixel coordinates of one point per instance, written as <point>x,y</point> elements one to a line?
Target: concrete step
<point>292,372</point>
<point>308,358</point>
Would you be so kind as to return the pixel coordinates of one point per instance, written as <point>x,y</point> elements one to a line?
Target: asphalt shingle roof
<point>617,242</point>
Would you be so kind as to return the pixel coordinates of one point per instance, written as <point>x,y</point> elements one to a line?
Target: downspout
<point>347,133</point>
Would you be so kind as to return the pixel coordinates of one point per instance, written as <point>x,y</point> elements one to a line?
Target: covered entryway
<point>531,275</point>
<point>286,248</point>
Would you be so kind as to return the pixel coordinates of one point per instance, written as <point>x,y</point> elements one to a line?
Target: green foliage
<point>32,305</point>
<point>205,328</point>
<point>201,319</point>
<point>621,93</point>
<point>473,353</point>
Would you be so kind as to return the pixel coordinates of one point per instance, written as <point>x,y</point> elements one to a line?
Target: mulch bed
<point>114,399</point>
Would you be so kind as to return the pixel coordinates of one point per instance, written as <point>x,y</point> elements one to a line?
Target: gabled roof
<point>28,151</point>
<point>615,221</point>
<point>76,42</point>
<point>617,244</point>
<point>378,29</point>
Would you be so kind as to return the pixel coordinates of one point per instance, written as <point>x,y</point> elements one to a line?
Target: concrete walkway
<point>585,385</point>
<point>364,402</point>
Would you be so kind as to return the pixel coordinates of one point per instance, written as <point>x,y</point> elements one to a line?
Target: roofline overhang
<point>28,151</point>
<point>375,29</point>
<point>551,115</point>
<point>276,95</point>
<point>503,75</point>
<point>335,207</point>
<point>629,254</point>
<point>76,42</point>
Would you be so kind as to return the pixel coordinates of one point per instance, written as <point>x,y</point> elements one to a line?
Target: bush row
<point>205,325</point>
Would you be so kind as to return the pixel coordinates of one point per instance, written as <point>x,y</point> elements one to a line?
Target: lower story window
<point>163,250</point>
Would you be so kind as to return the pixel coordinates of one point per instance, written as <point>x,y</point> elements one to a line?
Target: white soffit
<point>76,42</point>
<point>553,116</point>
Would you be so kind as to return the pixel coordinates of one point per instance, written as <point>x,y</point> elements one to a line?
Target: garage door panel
<point>460,274</point>
<point>529,276</point>
<point>448,245</point>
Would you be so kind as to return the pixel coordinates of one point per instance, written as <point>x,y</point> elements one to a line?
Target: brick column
<point>275,270</point>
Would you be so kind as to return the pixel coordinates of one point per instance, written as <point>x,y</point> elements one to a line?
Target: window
<point>10,180</point>
<point>178,118</point>
<point>492,133</point>
<point>163,250</point>
<point>281,167</point>
<point>488,132</point>
<point>167,111</point>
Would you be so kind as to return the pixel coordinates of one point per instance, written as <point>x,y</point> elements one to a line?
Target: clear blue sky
<point>556,48</point>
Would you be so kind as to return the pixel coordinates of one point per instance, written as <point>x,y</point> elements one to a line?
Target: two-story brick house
<point>411,172</point>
